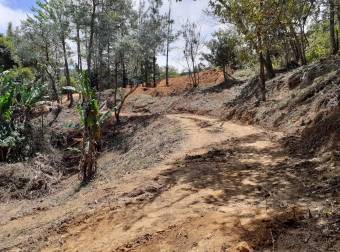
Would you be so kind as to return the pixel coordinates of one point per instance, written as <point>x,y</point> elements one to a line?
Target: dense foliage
<point>18,95</point>
<point>224,51</point>
<point>279,29</point>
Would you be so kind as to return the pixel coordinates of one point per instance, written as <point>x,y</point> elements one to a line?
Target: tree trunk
<point>146,73</point>
<point>90,47</point>
<point>303,46</point>
<point>142,72</point>
<point>332,27</point>
<point>167,66</point>
<point>262,78</point>
<point>53,83</point>
<point>100,68</point>
<point>189,71</point>
<point>194,70</point>
<point>295,51</point>
<point>116,91</point>
<point>124,79</point>
<point>338,31</point>
<point>269,66</point>
<point>67,71</point>
<point>116,74</point>
<point>119,108</point>
<point>80,63</point>
<point>225,74</point>
<point>70,98</point>
<point>286,55</point>
<point>91,143</point>
<point>154,69</point>
<point>168,45</point>
<point>298,45</point>
<point>108,61</point>
<point>54,87</point>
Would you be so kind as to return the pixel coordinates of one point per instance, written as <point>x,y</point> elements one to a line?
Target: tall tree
<point>338,17</point>
<point>78,21</point>
<point>192,46</point>
<point>223,51</point>
<point>169,39</point>
<point>252,19</point>
<point>90,48</point>
<point>262,27</point>
<point>156,35</point>
<point>9,32</point>
<point>333,39</point>
<point>58,11</point>
<point>36,46</point>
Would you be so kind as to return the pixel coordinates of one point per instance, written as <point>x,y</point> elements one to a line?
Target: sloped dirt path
<point>212,194</point>
<point>173,206</point>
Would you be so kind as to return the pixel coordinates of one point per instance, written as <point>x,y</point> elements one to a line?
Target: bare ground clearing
<point>226,188</point>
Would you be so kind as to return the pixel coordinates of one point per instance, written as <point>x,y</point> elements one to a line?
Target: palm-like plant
<point>16,101</point>
<point>91,119</point>
<point>7,140</point>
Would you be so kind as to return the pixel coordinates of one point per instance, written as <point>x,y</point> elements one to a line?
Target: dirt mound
<point>138,142</point>
<point>294,229</point>
<point>181,84</point>
<point>56,158</point>
<point>39,175</point>
<point>321,135</point>
<point>204,100</point>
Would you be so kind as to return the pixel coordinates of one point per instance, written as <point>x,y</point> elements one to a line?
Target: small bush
<point>17,97</point>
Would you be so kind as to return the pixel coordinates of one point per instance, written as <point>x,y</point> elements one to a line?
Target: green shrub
<point>17,97</point>
<point>319,44</point>
<point>6,55</point>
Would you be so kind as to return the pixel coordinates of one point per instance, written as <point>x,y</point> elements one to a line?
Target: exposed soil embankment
<point>138,142</point>
<point>172,181</point>
<point>304,105</point>
<point>203,100</point>
<point>304,102</point>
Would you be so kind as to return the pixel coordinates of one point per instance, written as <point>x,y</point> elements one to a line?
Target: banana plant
<point>91,119</point>
<point>17,97</point>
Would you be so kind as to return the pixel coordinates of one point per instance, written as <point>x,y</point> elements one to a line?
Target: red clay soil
<point>178,85</point>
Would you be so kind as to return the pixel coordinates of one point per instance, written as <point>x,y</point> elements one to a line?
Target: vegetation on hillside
<point>83,90</point>
<point>117,45</point>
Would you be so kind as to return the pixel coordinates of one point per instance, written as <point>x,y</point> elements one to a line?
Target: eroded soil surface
<point>227,187</point>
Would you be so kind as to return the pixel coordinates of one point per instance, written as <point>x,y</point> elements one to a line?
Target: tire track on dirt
<point>155,204</point>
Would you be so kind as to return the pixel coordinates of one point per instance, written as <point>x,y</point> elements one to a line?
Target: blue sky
<point>13,11</point>
<point>194,12</point>
<point>19,4</point>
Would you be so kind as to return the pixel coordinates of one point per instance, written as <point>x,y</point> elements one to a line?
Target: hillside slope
<point>305,103</point>
<point>299,102</point>
<point>179,175</point>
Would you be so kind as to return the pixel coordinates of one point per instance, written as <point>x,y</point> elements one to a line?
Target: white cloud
<point>194,11</point>
<point>10,15</point>
<point>181,12</point>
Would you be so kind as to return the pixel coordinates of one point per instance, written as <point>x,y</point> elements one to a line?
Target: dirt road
<point>209,195</point>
